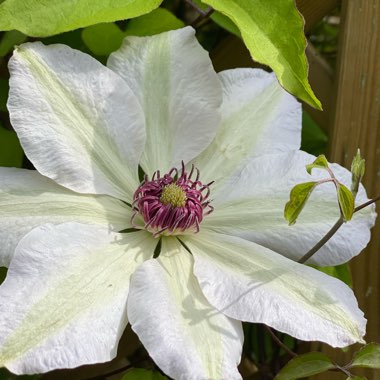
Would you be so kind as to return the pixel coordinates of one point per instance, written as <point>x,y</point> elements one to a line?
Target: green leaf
<point>273,33</point>
<point>320,163</point>
<point>314,140</point>
<point>346,202</point>
<point>304,366</point>
<point>102,39</point>
<point>9,40</point>
<point>3,274</point>
<point>41,18</point>
<point>143,374</point>
<point>220,19</point>
<point>11,153</point>
<point>367,357</point>
<point>226,23</point>
<point>341,272</point>
<point>4,89</point>
<point>298,197</point>
<point>158,21</point>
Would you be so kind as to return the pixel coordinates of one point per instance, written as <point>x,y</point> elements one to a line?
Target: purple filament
<point>161,219</point>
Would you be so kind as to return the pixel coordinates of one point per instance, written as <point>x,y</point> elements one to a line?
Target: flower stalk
<point>332,232</point>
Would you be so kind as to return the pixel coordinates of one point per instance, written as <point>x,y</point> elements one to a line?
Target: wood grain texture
<point>356,124</point>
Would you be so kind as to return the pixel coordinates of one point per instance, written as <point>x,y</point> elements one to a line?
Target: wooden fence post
<point>356,124</point>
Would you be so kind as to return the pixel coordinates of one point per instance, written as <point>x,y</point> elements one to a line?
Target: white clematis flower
<point>75,281</point>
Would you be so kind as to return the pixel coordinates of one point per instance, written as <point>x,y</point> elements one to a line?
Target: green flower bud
<point>357,170</point>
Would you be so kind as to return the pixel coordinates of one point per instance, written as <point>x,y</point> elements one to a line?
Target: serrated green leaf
<point>273,33</point>
<point>319,163</point>
<point>103,39</point>
<point>367,357</point>
<point>305,365</point>
<point>341,272</point>
<point>158,21</point>
<point>346,202</point>
<point>9,40</point>
<point>41,18</point>
<point>11,153</point>
<point>298,197</point>
<point>143,374</point>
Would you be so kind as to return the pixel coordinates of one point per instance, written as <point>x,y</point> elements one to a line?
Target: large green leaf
<point>143,374</point>
<point>367,357</point>
<point>314,140</point>
<point>342,272</point>
<point>304,366</point>
<point>103,39</point>
<point>40,18</point>
<point>158,21</point>
<point>9,40</point>
<point>10,150</point>
<point>273,32</point>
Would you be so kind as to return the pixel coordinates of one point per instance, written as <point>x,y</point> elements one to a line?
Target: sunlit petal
<point>185,336</point>
<point>63,303</point>
<point>173,78</point>
<point>251,283</point>
<point>78,122</point>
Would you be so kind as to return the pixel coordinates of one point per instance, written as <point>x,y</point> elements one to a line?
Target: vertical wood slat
<point>356,124</point>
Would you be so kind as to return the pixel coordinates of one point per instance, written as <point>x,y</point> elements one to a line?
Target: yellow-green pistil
<point>173,195</point>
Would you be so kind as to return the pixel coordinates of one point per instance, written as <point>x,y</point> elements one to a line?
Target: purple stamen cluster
<point>166,219</point>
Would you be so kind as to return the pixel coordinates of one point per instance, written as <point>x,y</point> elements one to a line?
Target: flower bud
<point>357,170</point>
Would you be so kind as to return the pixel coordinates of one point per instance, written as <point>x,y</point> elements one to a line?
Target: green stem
<point>203,14</point>
<point>202,18</point>
<point>332,232</point>
<point>367,203</point>
<point>280,342</point>
<point>322,242</point>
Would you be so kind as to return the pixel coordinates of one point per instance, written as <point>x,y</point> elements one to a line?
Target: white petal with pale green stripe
<point>173,78</point>
<point>63,303</point>
<point>28,200</point>
<point>186,337</point>
<point>251,283</point>
<point>78,122</point>
<point>258,116</point>
<point>251,205</point>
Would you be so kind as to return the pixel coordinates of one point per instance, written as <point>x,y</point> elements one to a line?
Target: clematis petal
<point>173,78</point>
<point>63,303</point>
<point>251,205</point>
<point>183,333</point>
<point>258,116</point>
<point>78,122</point>
<point>28,200</point>
<point>251,283</point>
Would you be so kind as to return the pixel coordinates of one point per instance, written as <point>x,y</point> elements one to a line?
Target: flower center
<point>172,204</point>
<point>173,195</point>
